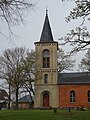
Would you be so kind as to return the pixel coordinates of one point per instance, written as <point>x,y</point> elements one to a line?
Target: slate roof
<point>25,98</point>
<point>74,78</point>
<point>46,35</point>
<point>3,95</point>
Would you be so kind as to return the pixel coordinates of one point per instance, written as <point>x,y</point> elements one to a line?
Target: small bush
<point>55,110</point>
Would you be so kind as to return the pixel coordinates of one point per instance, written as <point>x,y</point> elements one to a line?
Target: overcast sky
<point>31,31</point>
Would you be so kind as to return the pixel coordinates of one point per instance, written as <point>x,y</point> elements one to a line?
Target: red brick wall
<point>81,95</point>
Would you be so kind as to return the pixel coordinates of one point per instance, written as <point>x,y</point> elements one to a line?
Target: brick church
<point>53,89</point>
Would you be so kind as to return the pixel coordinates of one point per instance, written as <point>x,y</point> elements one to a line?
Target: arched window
<point>88,95</point>
<point>72,96</point>
<point>46,58</point>
<point>45,78</point>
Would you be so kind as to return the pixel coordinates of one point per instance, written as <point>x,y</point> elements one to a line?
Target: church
<point>54,89</point>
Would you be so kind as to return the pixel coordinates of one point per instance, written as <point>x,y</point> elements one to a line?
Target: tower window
<point>88,96</point>
<point>45,78</point>
<point>72,96</point>
<point>46,59</point>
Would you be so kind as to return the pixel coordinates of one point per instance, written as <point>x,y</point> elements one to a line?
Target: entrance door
<point>45,100</point>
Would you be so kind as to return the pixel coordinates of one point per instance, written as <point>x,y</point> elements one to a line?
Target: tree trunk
<point>17,98</point>
<point>32,102</point>
<point>9,98</point>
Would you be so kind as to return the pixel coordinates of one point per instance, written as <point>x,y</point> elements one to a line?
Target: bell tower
<point>46,89</point>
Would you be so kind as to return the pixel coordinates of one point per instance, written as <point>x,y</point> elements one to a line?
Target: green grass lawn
<point>43,115</point>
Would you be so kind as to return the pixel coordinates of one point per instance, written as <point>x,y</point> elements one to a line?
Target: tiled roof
<point>3,95</point>
<point>74,78</point>
<point>25,98</point>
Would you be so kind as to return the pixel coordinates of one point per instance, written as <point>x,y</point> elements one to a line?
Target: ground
<point>44,115</point>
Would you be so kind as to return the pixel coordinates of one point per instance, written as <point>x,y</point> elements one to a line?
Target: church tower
<point>46,89</point>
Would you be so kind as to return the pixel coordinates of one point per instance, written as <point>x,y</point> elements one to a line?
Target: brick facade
<point>81,95</point>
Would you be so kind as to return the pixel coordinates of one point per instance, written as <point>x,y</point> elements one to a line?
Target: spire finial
<point>46,11</point>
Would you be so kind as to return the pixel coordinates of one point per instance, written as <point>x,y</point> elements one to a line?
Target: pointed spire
<point>46,35</point>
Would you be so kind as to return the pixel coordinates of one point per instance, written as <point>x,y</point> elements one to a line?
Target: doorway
<point>45,100</point>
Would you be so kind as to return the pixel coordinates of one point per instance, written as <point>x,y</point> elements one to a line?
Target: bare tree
<point>64,61</point>
<point>81,10</point>
<point>85,62</point>
<point>12,11</point>
<point>12,69</point>
<point>6,71</point>
<point>29,73</point>
<point>78,38</point>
